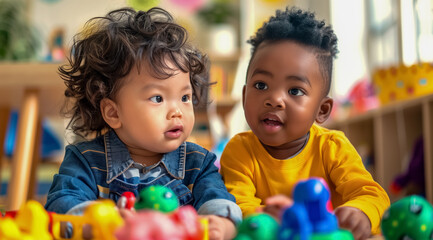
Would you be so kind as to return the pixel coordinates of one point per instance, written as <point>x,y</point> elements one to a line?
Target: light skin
<point>282,98</point>
<point>163,110</point>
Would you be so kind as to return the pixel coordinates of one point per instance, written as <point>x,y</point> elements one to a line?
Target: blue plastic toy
<point>311,217</point>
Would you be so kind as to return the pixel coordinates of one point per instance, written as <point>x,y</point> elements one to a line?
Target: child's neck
<point>287,150</point>
<point>144,157</point>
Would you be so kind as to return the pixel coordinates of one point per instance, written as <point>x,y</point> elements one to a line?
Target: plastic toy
<point>408,218</point>
<point>30,223</point>
<point>102,216</point>
<point>413,178</point>
<point>403,82</point>
<point>362,97</point>
<point>258,226</point>
<point>127,200</point>
<point>157,198</point>
<point>159,217</point>
<point>311,217</point>
<point>155,225</point>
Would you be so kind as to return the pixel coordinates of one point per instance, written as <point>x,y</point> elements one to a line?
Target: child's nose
<point>174,113</point>
<point>275,101</point>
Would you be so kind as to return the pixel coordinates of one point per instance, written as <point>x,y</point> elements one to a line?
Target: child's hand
<point>275,205</point>
<point>125,213</point>
<point>220,227</point>
<point>355,220</point>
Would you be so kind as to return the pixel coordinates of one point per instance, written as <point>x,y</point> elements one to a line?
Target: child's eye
<point>186,98</point>
<point>156,99</point>
<point>261,86</point>
<point>296,92</point>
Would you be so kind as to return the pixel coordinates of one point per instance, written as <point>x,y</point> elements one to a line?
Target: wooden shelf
<point>15,77</point>
<point>389,133</point>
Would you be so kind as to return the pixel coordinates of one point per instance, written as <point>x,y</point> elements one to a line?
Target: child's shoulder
<point>195,148</point>
<point>318,132</point>
<point>244,136</point>
<point>94,145</point>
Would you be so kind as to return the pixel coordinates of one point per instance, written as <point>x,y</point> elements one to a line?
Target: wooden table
<point>36,90</point>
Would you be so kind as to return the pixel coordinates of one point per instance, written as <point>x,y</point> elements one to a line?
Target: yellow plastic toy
<point>30,223</point>
<point>102,217</point>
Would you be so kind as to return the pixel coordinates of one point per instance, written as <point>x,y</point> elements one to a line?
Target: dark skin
<point>282,98</point>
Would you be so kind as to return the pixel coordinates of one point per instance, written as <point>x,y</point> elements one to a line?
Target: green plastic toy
<point>258,226</point>
<point>409,218</point>
<point>158,198</point>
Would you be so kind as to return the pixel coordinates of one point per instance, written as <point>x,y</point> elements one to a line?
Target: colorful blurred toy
<point>168,221</point>
<point>102,217</point>
<point>182,224</point>
<point>159,217</point>
<point>126,200</point>
<point>157,197</point>
<point>413,178</point>
<point>362,97</point>
<point>32,222</point>
<point>311,217</point>
<point>409,218</point>
<point>403,82</point>
<point>258,226</point>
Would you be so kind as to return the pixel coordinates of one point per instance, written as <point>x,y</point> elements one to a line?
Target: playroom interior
<point>382,82</point>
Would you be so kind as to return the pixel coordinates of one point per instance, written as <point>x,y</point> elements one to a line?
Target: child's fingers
<point>273,210</point>
<point>361,232</point>
<point>215,231</point>
<point>279,200</point>
<point>342,215</point>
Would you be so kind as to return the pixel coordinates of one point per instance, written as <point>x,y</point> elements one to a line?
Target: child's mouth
<point>272,122</point>
<point>271,125</point>
<point>174,132</point>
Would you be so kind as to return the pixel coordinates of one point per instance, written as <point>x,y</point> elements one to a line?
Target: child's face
<point>154,115</point>
<point>283,93</point>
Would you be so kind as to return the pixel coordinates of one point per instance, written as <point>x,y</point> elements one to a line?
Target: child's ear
<point>324,110</point>
<point>109,113</point>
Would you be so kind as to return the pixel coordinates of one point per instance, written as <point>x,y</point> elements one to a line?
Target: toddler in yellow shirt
<point>285,95</point>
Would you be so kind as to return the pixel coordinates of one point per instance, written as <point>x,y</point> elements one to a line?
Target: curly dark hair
<point>302,27</point>
<point>110,46</point>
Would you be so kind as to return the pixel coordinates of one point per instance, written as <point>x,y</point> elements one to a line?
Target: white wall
<point>348,22</point>
<point>67,14</point>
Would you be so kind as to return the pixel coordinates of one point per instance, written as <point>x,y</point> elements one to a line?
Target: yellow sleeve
<point>237,169</point>
<point>353,181</point>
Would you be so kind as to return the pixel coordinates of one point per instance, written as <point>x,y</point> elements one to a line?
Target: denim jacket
<point>94,169</point>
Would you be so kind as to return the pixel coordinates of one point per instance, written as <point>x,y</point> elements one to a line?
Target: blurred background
<point>382,82</point>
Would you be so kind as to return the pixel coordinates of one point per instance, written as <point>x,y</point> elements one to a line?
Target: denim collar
<point>119,160</point>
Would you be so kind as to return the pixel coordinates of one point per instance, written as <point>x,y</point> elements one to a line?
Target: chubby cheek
<point>188,122</point>
<point>250,110</point>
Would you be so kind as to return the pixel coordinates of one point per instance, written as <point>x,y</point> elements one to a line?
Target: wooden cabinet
<point>211,121</point>
<point>387,135</point>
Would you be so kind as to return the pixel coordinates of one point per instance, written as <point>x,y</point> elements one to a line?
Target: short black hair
<point>302,27</point>
<point>107,49</point>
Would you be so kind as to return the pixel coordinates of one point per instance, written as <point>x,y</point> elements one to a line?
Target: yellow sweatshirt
<point>252,175</point>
